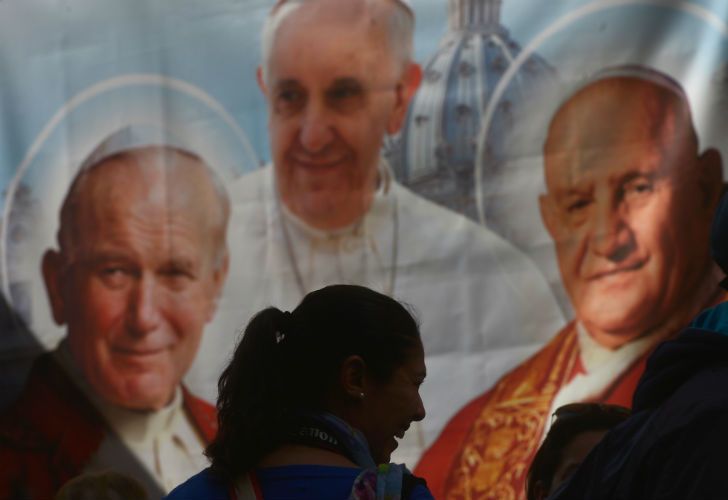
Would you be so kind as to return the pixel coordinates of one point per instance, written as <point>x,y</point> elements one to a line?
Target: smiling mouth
<point>634,266</point>
<point>139,353</point>
<point>318,165</point>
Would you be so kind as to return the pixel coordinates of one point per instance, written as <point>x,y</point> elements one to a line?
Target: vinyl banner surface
<point>538,189</point>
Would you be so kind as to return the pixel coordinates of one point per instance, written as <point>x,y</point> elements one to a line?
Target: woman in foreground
<point>312,401</point>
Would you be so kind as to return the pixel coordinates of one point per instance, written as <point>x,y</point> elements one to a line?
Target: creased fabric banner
<point>543,207</point>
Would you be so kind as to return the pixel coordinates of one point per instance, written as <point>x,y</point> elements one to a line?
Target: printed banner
<point>542,202</point>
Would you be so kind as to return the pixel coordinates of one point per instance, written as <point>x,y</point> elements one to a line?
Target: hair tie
<point>283,327</point>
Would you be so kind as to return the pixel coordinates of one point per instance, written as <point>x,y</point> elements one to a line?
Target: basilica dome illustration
<point>435,153</point>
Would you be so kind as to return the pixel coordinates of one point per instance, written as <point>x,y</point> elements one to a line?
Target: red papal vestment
<point>485,450</point>
<point>51,432</point>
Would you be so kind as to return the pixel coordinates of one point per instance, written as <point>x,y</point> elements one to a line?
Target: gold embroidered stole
<point>503,439</point>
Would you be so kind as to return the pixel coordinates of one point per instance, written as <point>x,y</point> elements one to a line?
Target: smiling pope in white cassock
<point>482,305</point>
<point>329,211</point>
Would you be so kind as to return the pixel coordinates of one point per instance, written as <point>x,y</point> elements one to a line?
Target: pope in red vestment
<point>49,434</point>
<point>486,449</point>
<point>141,261</point>
<point>629,203</point>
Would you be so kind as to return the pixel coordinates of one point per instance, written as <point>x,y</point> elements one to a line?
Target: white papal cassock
<point>483,305</point>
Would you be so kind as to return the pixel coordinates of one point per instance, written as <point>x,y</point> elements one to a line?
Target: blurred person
<point>577,428</point>
<point>328,210</point>
<point>673,447</point>
<point>314,400</point>
<point>106,485</point>
<point>141,261</point>
<point>628,204</point>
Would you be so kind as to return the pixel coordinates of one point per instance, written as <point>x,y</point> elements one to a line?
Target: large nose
<point>317,127</point>
<point>144,315</point>
<point>612,237</point>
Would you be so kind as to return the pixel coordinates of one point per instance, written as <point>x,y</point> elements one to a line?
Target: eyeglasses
<point>579,410</point>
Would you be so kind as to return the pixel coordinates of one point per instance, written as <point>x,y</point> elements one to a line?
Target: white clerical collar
<point>604,366</point>
<point>594,355</point>
<point>301,226</point>
<point>365,252</point>
<point>133,426</point>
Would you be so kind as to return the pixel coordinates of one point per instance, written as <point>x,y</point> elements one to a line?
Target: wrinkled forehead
<point>612,113</point>
<point>141,199</point>
<point>152,179</point>
<point>615,121</point>
<point>365,23</point>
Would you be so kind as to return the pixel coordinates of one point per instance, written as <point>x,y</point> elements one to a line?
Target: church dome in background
<point>434,155</point>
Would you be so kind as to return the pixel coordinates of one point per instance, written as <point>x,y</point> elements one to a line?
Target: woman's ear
<point>352,376</point>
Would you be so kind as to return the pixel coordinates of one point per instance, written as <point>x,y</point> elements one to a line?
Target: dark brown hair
<point>287,362</point>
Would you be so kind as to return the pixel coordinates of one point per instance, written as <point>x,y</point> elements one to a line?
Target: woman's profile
<point>313,400</point>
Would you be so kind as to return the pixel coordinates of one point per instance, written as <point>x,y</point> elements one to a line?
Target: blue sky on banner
<point>51,50</point>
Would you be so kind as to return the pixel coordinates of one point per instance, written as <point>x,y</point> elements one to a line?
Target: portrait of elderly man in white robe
<point>337,77</point>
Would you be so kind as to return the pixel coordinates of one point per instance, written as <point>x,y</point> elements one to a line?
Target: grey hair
<point>71,201</point>
<point>400,26</point>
